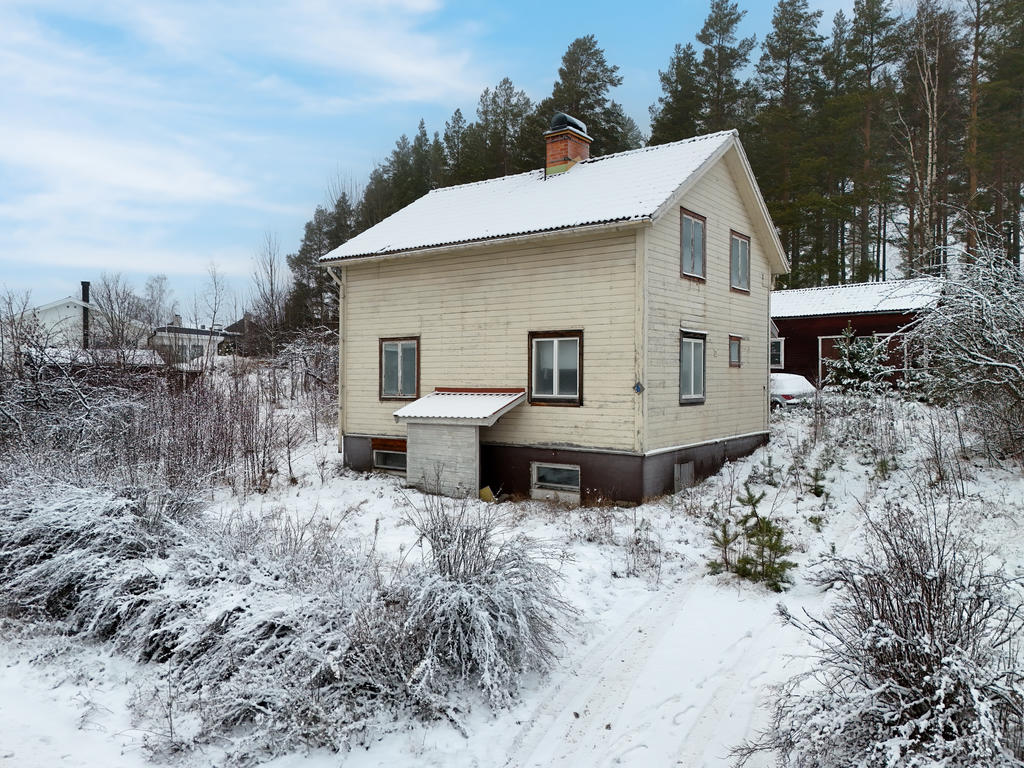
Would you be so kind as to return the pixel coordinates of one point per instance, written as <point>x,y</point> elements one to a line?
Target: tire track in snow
<point>596,688</point>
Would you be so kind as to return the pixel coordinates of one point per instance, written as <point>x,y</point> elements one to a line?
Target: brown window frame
<point>380,369</point>
<point>570,402</point>
<point>739,351</point>
<point>733,234</point>
<point>703,276</point>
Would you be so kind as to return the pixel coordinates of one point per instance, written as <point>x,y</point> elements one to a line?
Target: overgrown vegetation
<point>917,661</point>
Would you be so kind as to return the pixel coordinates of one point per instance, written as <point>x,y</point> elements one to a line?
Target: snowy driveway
<point>677,683</point>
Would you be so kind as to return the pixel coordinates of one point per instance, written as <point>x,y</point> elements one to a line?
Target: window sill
<point>693,401</point>
<point>694,278</point>
<point>574,403</point>
<point>736,289</point>
<point>403,398</point>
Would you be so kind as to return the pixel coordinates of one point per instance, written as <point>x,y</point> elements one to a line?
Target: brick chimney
<point>85,315</point>
<point>567,144</point>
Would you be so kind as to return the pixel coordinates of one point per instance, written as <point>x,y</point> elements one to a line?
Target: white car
<point>789,389</point>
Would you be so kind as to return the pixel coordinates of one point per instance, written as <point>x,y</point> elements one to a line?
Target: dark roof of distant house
<point>183,331</point>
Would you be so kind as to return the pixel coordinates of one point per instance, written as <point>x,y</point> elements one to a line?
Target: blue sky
<point>146,137</point>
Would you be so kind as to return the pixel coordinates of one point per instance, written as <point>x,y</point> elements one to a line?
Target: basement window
<point>555,482</point>
<point>390,461</point>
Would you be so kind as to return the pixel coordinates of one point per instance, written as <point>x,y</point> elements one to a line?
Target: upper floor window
<point>692,248</point>
<point>399,369</point>
<point>556,367</point>
<point>739,261</point>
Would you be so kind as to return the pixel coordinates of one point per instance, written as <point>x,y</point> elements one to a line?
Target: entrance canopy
<point>461,406</point>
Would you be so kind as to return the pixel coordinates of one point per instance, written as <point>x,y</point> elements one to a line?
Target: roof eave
<point>621,224</point>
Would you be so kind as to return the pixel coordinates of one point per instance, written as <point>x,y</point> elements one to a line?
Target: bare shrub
<point>917,662</point>
<point>972,346</point>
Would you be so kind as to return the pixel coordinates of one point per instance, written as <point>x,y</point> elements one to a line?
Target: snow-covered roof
<point>624,187</point>
<point>469,406</point>
<point>857,298</point>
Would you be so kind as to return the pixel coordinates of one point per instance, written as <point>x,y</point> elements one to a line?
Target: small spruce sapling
<point>765,550</point>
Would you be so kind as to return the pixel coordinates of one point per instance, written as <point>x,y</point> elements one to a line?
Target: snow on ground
<point>667,666</point>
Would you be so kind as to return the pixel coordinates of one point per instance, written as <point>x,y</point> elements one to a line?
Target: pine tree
<point>585,79</point>
<point>874,48</point>
<point>680,106</point>
<point>717,74</point>
<point>500,115</point>
<point>787,74</point>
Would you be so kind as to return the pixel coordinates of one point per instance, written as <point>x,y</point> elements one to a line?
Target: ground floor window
<point>394,461</point>
<point>691,368</point>
<point>735,359</point>
<point>777,354</point>
<point>556,367</point>
<point>399,369</point>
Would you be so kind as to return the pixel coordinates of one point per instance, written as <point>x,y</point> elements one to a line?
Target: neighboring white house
<point>77,323</point>
<point>595,329</point>
<point>181,345</point>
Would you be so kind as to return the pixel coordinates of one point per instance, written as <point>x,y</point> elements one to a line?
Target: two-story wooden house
<point>596,329</point>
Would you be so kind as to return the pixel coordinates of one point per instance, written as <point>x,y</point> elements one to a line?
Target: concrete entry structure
<point>443,429</point>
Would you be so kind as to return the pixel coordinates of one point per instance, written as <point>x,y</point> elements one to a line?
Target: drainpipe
<point>85,314</point>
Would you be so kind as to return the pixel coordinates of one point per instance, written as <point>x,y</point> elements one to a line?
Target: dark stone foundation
<point>603,476</point>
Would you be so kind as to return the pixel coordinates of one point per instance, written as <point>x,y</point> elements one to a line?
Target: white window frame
<point>556,396</point>
<point>377,464</point>
<point>781,341</point>
<point>741,267</point>
<point>695,219</point>
<point>693,337</point>
<point>821,360</point>
<point>554,491</point>
<point>904,347</point>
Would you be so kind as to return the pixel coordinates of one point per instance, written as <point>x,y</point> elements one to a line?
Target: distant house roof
<point>857,298</point>
<point>631,186</point>
<point>183,331</point>
<point>65,300</point>
<point>461,406</point>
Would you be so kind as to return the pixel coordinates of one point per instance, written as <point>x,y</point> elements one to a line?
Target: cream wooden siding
<point>444,457</point>
<point>735,397</point>
<point>473,310</point>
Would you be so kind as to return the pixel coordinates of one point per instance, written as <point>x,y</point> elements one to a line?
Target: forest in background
<point>880,148</point>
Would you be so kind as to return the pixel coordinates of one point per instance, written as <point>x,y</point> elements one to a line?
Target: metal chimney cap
<point>562,120</point>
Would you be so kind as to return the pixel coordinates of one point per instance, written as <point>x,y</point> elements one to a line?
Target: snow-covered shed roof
<point>631,186</point>
<point>857,298</point>
<point>469,406</point>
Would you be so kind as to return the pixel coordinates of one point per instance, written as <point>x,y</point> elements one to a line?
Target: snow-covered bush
<point>971,345</point>
<point>485,607</point>
<point>275,635</point>
<point>917,663</point>
<point>79,556</point>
